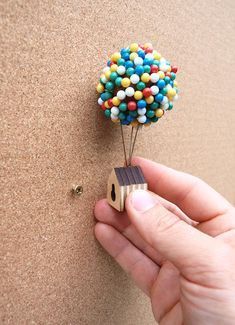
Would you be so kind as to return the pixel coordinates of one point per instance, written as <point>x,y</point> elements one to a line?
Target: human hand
<point>178,245</point>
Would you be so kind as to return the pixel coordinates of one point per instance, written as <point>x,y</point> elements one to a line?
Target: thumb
<point>183,245</point>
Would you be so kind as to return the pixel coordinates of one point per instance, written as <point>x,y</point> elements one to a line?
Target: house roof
<point>129,175</point>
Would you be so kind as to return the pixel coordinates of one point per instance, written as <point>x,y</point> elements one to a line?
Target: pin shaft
<point>124,147</point>
<point>134,142</point>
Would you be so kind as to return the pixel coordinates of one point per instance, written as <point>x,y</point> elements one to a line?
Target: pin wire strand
<point>124,147</point>
<point>134,142</point>
<point>130,146</point>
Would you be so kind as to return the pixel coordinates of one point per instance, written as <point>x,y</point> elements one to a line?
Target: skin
<point>177,242</point>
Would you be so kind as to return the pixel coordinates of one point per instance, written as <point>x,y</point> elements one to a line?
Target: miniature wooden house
<point>121,182</point>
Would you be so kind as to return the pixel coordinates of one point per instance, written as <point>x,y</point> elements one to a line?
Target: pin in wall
<point>137,87</point>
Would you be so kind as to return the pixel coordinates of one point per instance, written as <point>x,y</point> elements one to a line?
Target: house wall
<point>54,135</point>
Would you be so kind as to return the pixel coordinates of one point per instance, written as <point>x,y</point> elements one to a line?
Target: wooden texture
<point>121,182</point>
<point>54,135</point>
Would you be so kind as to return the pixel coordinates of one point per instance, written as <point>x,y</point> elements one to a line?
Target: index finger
<point>193,196</point>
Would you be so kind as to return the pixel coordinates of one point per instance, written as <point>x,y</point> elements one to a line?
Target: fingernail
<point>143,200</point>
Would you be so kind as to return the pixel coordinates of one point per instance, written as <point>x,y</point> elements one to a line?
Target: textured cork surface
<point>54,135</point>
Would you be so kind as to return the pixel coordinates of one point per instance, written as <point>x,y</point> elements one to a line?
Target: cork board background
<point>54,135</point>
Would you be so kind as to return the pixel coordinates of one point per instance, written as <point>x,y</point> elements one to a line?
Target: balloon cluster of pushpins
<point>137,86</point>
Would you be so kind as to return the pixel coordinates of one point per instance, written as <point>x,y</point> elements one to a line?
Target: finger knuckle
<point>166,222</point>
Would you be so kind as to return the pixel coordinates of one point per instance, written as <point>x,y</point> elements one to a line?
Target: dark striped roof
<point>129,175</point>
